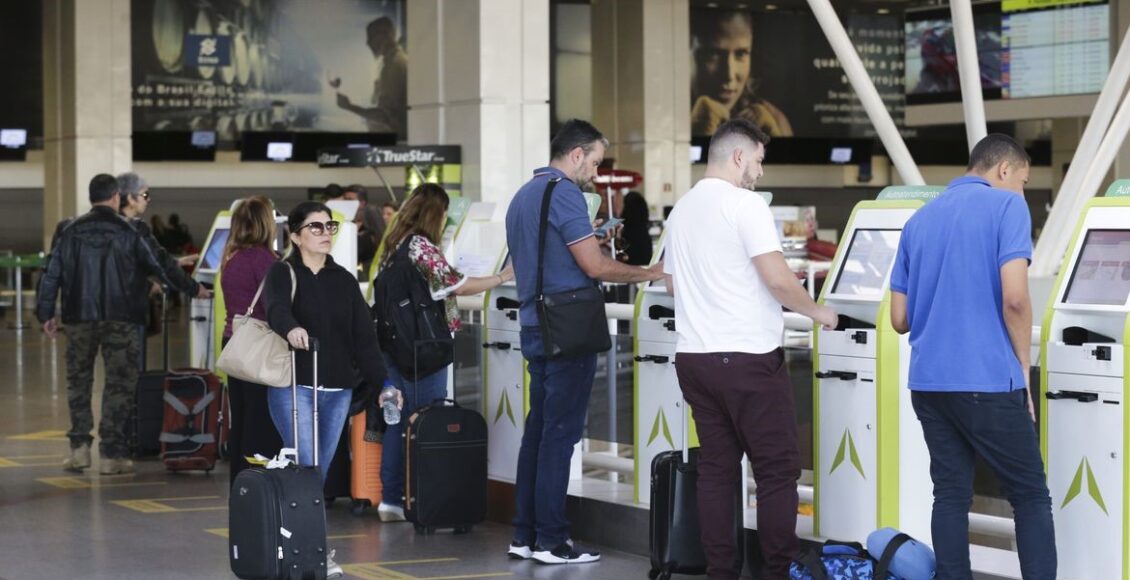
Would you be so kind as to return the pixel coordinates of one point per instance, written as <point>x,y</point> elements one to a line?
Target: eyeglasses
<point>320,228</point>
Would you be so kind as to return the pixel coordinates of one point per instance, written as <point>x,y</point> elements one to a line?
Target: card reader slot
<point>655,312</point>
<point>841,375</point>
<point>1081,396</point>
<point>655,358</point>
<point>847,322</point>
<point>504,303</point>
<point>1078,336</point>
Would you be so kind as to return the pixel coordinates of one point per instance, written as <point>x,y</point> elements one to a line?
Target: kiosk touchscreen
<point>870,459</point>
<point>1084,431</point>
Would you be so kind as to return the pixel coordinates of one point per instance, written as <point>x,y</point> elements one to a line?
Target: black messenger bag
<point>573,323</point>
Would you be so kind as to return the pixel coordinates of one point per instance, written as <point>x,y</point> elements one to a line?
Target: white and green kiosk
<point>870,459</point>
<point>1085,427</point>
<point>506,399</point>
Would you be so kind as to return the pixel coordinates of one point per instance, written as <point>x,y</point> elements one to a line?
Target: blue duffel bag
<point>850,561</point>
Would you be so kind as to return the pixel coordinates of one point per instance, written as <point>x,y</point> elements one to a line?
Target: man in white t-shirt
<point>730,280</point>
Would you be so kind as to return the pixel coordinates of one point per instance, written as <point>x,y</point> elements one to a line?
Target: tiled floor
<point>158,525</point>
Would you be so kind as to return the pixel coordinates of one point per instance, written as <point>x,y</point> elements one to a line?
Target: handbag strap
<point>542,227</point>
<point>884,563</point>
<point>293,289</point>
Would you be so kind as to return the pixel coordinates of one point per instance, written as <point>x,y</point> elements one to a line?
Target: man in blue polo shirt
<point>960,287</point>
<point>559,388</point>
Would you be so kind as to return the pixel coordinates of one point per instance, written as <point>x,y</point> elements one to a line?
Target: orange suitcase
<point>365,472</point>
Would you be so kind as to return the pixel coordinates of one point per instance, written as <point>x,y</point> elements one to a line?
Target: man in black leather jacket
<point>100,263</point>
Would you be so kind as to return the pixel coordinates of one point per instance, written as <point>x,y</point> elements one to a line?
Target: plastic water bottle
<point>391,411</point>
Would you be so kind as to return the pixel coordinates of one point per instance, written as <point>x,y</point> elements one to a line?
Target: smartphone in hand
<point>608,225</point>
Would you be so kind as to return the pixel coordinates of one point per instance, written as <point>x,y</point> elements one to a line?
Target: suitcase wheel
<point>330,502</point>
<point>463,529</point>
<point>424,530</point>
<point>653,574</point>
<point>358,506</point>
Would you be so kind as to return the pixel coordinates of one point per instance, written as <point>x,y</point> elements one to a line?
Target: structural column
<point>642,91</point>
<point>87,108</point>
<point>479,78</point>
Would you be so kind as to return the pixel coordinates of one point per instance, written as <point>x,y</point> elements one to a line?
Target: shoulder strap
<point>812,561</point>
<point>293,289</point>
<point>888,556</point>
<point>542,227</point>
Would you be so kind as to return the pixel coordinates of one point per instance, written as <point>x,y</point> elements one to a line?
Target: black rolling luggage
<point>674,538</point>
<point>148,413</point>
<point>277,517</point>
<point>445,460</point>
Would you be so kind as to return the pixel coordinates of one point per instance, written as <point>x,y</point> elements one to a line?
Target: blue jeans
<point>416,395</point>
<point>997,427</point>
<point>333,409</point>
<point>559,399</point>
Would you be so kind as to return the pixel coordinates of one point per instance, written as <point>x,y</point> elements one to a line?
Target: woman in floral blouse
<point>420,223</point>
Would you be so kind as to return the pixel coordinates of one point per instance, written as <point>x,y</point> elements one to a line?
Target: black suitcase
<point>143,431</point>
<point>277,517</point>
<point>676,547</point>
<point>445,461</point>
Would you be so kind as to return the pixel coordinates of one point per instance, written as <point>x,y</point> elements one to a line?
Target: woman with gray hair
<point>135,195</point>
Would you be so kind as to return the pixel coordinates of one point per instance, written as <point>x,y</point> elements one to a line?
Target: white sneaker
<point>519,551</point>
<point>333,569</point>
<point>79,459</point>
<point>390,513</point>
<point>116,466</point>
<point>566,553</point>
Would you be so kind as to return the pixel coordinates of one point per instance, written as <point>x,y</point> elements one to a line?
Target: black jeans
<point>997,427</point>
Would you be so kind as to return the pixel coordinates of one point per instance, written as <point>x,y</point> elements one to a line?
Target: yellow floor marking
<point>374,572</point>
<point>403,562</point>
<point>49,456</point>
<point>162,505</point>
<point>461,576</point>
<point>82,483</point>
<point>5,462</point>
<point>380,571</point>
<point>222,532</point>
<point>21,460</point>
<point>52,435</point>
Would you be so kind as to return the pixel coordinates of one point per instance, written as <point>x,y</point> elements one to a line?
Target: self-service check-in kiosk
<point>870,459</point>
<point>1085,378</point>
<point>505,380</point>
<point>662,418</point>
<point>208,315</point>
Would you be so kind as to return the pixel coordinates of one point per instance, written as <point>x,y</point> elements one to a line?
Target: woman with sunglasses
<point>327,305</point>
<point>420,223</point>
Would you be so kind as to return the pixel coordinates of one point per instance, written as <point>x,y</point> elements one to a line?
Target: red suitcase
<point>190,432</point>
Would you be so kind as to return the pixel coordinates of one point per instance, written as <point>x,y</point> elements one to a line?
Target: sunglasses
<point>319,228</point>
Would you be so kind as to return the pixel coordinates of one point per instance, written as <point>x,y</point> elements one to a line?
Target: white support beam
<point>969,71</point>
<point>865,89</point>
<point>1072,196</point>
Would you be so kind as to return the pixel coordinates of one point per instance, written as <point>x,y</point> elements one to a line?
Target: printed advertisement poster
<point>263,65</point>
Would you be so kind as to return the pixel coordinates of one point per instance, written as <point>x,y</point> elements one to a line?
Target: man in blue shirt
<point>960,287</point>
<point>559,388</point>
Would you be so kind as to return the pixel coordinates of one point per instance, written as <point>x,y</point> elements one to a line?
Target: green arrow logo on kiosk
<point>661,420</point>
<point>504,403</point>
<point>847,449</point>
<point>1092,486</point>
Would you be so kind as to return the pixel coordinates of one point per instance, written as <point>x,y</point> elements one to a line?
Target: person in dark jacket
<point>634,235</point>
<point>100,265</point>
<point>328,307</point>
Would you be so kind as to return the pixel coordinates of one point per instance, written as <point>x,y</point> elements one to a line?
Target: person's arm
<point>596,265</point>
<point>898,313</point>
<point>1017,307</point>
<point>787,290</point>
<point>366,348</point>
<point>280,308</point>
<point>479,284</point>
<point>48,292</point>
<point>160,264</point>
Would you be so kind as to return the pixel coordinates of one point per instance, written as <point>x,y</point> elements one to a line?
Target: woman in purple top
<point>247,257</point>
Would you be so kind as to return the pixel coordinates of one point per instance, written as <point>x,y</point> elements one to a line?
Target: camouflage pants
<point>120,345</point>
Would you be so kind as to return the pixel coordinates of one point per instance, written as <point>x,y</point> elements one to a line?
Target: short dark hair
<point>103,187</point>
<point>575,133</point>
<point>995,149</point>
<point>303,210</point>
<point>742,128</point>
<point>382,24</point>
<point>359,190</point>
<point>333,191</point>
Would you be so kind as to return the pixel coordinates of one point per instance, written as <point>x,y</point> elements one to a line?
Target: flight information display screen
<point>869,258</point>
<point>1102,272</point>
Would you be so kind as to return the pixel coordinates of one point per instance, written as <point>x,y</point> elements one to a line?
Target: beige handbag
<point>255,353</point>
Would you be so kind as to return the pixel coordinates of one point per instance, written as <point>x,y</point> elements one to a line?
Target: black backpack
<point>411,326</point>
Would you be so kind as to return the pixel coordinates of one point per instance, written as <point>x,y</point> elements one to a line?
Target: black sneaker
<point>566,553</point>
<point>519,551</point>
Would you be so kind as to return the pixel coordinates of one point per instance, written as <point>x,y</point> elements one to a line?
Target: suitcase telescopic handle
<point>294,396</point>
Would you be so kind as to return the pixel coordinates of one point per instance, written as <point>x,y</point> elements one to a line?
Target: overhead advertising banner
<point>21,56</point>
<point>739,70</point>
<point>389,156</point>
<point>263,65</point>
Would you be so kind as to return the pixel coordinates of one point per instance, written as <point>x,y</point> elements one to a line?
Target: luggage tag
<point>287,456</point>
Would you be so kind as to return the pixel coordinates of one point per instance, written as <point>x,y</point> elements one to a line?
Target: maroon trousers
<point>743,403</point>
